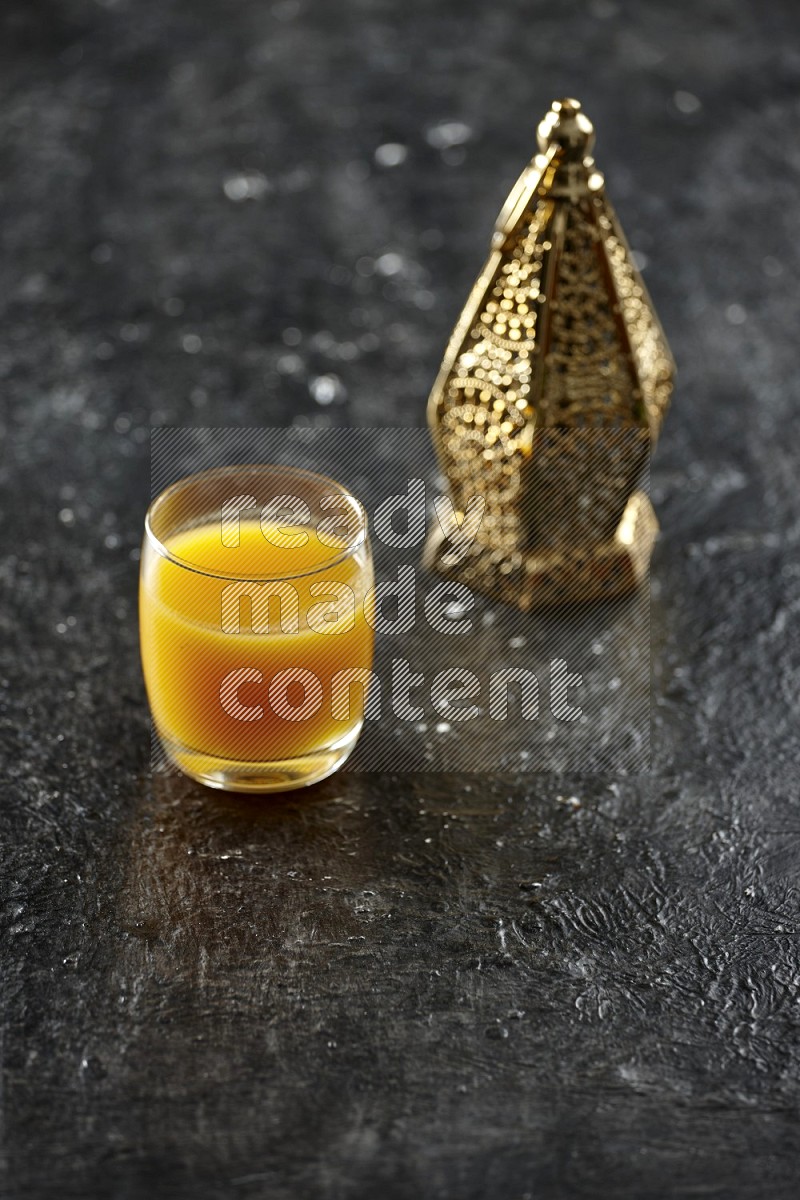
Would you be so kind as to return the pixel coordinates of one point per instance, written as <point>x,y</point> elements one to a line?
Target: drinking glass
<point>256,613</point>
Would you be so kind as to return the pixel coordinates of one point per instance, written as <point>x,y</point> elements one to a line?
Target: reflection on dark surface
<point>195,859</point>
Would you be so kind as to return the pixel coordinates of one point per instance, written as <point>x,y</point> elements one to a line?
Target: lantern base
<point>570,575</point>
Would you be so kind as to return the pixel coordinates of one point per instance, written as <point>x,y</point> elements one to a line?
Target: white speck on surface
<point>455,610</point>
<point>686,102</point>
<point>66,516</point>
<point>389,264</point>
<point>639,259</point>
<point>391,154</point>
<point>250,185</point>
<point>516,643</point>
<point>192,343</point>
<point>325,389</point>
<point>614,684</point>
<point>735,314</point>
<point>443,727</point>
<point>448,133</point>
<point>235,188</point>
<point>292,336</point>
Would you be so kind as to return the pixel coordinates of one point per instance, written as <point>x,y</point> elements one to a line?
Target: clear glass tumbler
<point>255,610</point>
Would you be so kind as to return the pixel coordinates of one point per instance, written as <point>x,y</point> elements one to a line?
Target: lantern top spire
<point>568,127</point>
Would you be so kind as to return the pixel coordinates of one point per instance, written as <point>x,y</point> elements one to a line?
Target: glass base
<point>280,775</point>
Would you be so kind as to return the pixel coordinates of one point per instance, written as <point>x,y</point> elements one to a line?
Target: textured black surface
<point>410,986</point>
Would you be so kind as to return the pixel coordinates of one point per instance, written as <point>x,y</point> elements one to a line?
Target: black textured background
<point>411,986</point>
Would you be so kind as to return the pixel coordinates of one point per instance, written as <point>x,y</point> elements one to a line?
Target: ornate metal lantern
<point>552,391</point>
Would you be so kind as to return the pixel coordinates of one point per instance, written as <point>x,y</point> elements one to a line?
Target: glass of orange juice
<point>255,608</point>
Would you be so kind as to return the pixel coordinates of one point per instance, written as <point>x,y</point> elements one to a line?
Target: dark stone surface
<point>411,985</point>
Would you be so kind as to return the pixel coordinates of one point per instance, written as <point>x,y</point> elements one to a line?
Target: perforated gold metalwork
<point>553,389</point>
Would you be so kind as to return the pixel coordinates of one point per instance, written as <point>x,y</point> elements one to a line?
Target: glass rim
<point>309,476</point>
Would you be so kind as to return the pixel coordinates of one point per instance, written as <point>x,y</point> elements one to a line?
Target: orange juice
<point>256,656</point>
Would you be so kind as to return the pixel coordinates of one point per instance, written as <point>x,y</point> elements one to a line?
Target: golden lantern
<point>552,392</point>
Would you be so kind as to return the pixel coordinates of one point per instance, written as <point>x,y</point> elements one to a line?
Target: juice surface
<point>212,645</point>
